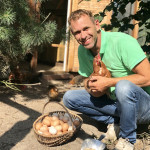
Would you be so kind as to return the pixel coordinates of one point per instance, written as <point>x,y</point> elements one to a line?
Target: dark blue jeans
<point>132,106</point>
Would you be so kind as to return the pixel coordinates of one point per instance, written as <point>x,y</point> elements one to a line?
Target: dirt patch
<point>20,109</point>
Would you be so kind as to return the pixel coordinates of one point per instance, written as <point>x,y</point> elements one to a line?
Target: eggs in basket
<point>56,124</point>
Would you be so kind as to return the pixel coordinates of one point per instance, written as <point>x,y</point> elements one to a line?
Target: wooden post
<point>136,28</point>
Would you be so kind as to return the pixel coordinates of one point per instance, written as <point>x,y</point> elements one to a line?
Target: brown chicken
<point>19,76</point>
<point>52,92</point>
<point>77,81</point>
<point>16,75</point>
<point>99,69</point>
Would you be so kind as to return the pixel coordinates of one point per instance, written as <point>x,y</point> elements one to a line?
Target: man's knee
<point>67,97</point>
<point>123,89</point>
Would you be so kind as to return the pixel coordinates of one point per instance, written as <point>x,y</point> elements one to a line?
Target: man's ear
<point>97,25</point>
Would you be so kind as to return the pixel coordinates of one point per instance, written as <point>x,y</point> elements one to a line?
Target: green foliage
<point>19,32</point>
<point>122,22</point>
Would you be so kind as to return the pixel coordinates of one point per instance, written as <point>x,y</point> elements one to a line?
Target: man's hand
<point>98,83</point>
<point>95,86</point>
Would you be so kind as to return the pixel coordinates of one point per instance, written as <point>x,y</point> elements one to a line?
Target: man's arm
<point>140,78</point>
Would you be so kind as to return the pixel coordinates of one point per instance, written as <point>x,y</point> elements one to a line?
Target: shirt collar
<point>103,42</point>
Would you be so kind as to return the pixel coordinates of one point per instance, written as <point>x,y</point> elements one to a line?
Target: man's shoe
<point>124,144</point>
<point>111,134</point>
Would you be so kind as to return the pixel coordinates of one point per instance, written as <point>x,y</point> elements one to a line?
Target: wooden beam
<point>57,45</point>
<point>136,28</point>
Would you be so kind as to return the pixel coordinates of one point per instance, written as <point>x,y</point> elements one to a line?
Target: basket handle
<point>60,105</point>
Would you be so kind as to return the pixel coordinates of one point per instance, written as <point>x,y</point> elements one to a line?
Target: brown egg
<point>65,127</point>
<point>65,119</point>
<point>44,128</point>
<point>46,122</point>
<point>59,133</point>
<point>47,133</point>
<point>65,132</point>
<point>38,125</point>
<point>58,128</point>
<point>55,118</point>
<point>48,118</point>
<point>61,122</point>
<point>55,123</point>
<point>76,123</point>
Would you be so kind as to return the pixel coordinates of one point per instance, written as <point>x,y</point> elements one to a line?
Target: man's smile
<point>86,41</point>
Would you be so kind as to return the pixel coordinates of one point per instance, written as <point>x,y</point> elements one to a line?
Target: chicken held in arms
<point>99,69</point>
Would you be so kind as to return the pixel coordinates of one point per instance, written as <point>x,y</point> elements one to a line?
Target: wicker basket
<point>55,140</point>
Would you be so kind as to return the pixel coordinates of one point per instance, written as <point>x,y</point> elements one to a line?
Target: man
<point>129,86</point>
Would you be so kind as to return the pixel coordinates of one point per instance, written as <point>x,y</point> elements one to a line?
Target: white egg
<point>40,132</point>
<point>52,130</point>
<point>70,128</point>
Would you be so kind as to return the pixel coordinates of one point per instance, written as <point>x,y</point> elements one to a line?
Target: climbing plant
<point>121,22</point>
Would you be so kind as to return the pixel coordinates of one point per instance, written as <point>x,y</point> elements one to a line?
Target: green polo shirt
<point>119,51</point>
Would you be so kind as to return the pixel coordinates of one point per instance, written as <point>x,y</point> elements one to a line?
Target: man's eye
<point>76,33</point>
<point>85,29</point>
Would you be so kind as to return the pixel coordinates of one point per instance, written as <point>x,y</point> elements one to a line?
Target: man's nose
<point>83,35</point>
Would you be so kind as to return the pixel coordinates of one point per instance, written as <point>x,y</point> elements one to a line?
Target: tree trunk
<point>34,12</point>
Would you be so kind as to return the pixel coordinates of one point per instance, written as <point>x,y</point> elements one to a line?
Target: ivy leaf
<point>142,40</point>
<point>122,9</point>
<point>108,8</point>
<point>115,29</point>
<point>98,17</point>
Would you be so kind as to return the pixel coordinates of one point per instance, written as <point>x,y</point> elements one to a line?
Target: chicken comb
<point>98,56</point>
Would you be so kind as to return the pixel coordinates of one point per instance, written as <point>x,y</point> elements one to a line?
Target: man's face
<point>85,31</point>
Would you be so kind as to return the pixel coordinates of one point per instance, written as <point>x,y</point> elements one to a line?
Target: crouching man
<point>129,86</point>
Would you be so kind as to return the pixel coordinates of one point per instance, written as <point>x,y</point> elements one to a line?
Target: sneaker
<point>124,144</point>
<point>111,134</point>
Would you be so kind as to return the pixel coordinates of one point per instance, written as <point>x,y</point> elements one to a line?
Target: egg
<point>40,132</point>
<point>54,118</point>
<point>65,119</point>
<point>48,118</point>
<point>47,133</point>
<point>76,123</point>
<point>59,133</point>
<point>55,114</point>
<point>65,127</point>
<point>55,123</point>
<point>61,117</point>
<point>38,125</point>
<point>70,128</point>
<point>61,122</point>
<point>46,122</point>
<point>66,115</point>
<point>65,132</point>
<point>76,119</point>
<point>58,128</point>
<point>69,123</point>
<point>52,130</point>
<point>44,128</point>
